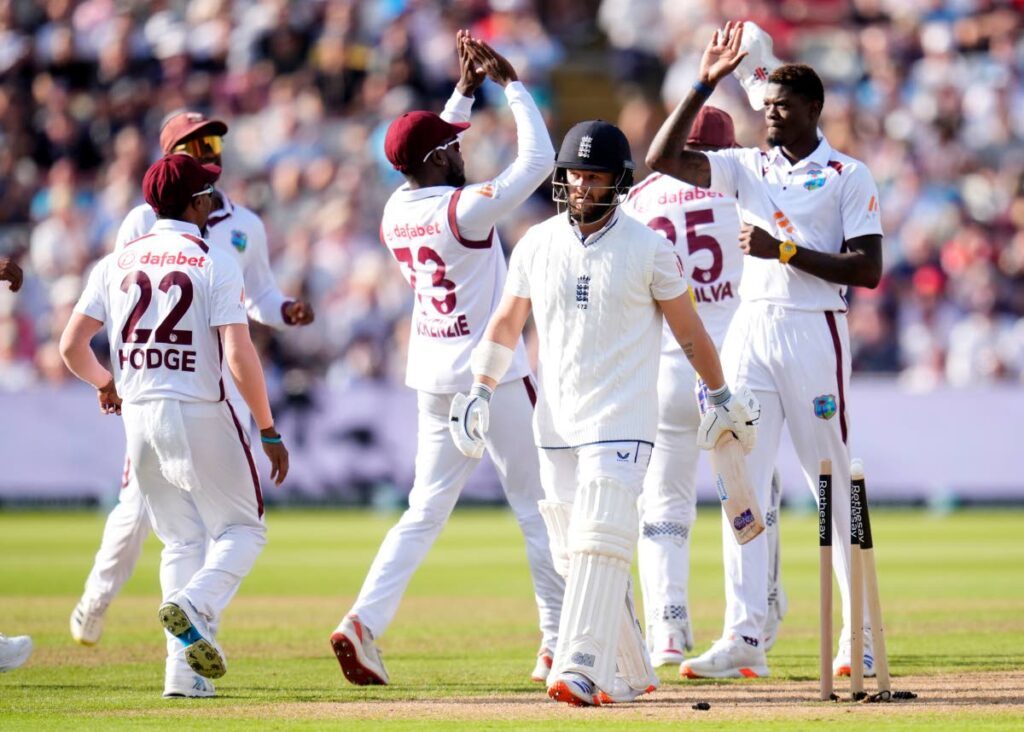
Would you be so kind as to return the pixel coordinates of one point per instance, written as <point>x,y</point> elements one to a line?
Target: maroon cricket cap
<point>185,124</point>
<point>172,181</point>
<point>412,136</point>
<point>712,127</point>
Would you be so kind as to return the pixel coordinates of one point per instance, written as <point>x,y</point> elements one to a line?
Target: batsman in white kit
<point>174,308</point>
<point>811,229</point>
<point>597,283</point>
<point>230,228</point>
<point>441,232</point>
<point>704,228</point>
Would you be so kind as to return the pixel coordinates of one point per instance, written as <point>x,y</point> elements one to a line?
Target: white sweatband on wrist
<point>719,396</point>
<point>482,391</point>
<point>491,359</point>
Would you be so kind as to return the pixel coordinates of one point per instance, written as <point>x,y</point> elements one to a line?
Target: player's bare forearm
<point>244,365</point>
<point>78,356</point>
<point>668,153</point>
<point>692,337</point>
<point>860,265</point>
<point>506,327</point>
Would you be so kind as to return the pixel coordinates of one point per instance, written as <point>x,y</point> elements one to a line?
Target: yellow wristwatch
<point>786,250</point>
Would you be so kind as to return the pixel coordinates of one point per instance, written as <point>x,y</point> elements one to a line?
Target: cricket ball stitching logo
<point>582,292</point>
<point>761,73</point>
<point>584,149</point>
<point>825,406</point>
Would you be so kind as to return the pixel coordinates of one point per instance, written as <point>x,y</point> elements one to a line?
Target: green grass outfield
<point>461,647</point>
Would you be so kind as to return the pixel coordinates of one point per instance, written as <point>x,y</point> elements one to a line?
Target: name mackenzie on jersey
<point>443,327</point>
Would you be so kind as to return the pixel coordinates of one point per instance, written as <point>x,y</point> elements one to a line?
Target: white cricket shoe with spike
<point>14,651</point>
<point>181,682</point>
<point>729,658</point>
<point>623,693</point>
<point>542,668</point>
<point>87,621</point>
<point>841,663</point>
<point>180,618</point>
<point>667,644</point>
<point>357,654</point>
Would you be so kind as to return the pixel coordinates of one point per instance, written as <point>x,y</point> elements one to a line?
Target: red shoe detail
<point>559,691</point>
<point>749,673</point>
<point>843,671</point>
<point>354,671</point>
<point>687,673</point>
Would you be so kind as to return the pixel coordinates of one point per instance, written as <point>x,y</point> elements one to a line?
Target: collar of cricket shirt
<point>416,194</point>
<point>589,241</point>
<point>181,227</point>
<point>819,156</point>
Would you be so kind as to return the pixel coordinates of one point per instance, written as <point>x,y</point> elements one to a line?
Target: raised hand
<point>722,54</point>
<point>496,66</point>
<point>471,74</point>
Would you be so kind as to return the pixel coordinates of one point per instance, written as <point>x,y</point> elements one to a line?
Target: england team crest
<point>239,240</point>
<point>825,406</point>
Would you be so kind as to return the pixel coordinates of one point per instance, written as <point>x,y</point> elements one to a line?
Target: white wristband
<point>491,359</point>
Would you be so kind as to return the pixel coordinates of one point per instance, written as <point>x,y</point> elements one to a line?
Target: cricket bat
<point>825,578</point>
<point>867,548</point>
<point>734,489</point>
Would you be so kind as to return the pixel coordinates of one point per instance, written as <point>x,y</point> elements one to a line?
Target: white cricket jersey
<point>161,299</point>
<point>445,243</point>
<point>818,202</point>
<point>231,228</point>
<point>237,231</point>
<point>599,326</point>
<point>704,227</point>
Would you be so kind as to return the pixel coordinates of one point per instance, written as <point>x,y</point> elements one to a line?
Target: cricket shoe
<point>667,644</point>
<point>623,693</point>
<point>574,689</point>
<point>729,658</point>
<point>183,621</point>
<point>841,663</point>
<point>358,655</point>
<point>777,607</point>
<point>87,621</point>
<point>543,666</point>
<point>181,682</point>
<point>14,651</point>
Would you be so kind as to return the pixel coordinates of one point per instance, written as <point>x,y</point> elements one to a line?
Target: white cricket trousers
<point>226,508</point>
<point>441,472</point>
<point>797,363</point>
<point>126,529</point>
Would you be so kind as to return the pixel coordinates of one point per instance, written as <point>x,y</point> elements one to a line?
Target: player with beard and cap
<point>703,227</point>
<point>441,233</point>
<point>598,283</point>
<point>238,231</point>
<point>811,229</point>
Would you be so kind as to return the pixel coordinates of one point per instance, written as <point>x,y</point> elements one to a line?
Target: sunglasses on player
<point>453,141</point>
<point>199,147</point>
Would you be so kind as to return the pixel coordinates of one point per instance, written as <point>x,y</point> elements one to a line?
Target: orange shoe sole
<point>559,691</point>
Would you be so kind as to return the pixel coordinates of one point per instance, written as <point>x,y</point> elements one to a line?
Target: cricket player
<point>597,283</point>
<point>811,229</point>
<point>174,309</point>
<point>441,232</point>
<point>231,228</point>
<point>703,227</point>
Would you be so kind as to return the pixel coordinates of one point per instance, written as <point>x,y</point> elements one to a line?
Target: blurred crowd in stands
<point>930,93</point>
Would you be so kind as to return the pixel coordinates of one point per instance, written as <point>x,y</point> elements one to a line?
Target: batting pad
<point>556,517</point>
<point>602,535</point>
<point>632,659</point>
